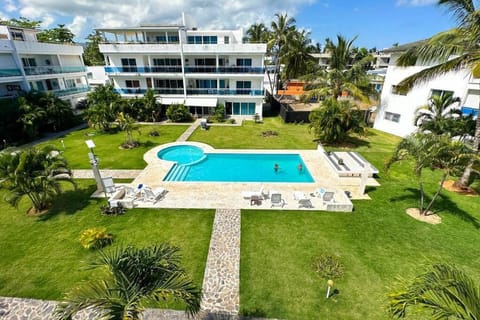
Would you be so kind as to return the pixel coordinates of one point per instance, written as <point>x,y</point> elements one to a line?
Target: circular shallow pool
<point>183,154</point>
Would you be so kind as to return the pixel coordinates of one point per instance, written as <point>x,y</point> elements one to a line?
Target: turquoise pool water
<point>194,165</point>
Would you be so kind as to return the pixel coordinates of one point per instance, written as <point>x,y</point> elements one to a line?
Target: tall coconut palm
<point>281,31</point>
<point>444,292</point>
<point>297,57</point>
<point>135,278</point>
<point>35,173</point>
<point>435,152</point>
<point>257,32</point>
<point>452,50</point>
<point>344,75</point>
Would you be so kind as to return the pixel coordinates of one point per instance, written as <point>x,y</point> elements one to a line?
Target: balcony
<point>200,91</point>
<point>223,70</point>
<point>31,71</point>
<point>70,91</point>
<point>10,72</point>
<point>157,69</point>
<point>225,92</point>
<point>188,69</point>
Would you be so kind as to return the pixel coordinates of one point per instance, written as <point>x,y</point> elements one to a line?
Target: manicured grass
<point>249,136</point>
<point>377,243</point>
<point>107,146</point>
<point>42,257</point>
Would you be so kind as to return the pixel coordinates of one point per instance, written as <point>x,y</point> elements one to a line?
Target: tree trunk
<point>422,194</point>
<point>465,178</point>
<point>440,187</point>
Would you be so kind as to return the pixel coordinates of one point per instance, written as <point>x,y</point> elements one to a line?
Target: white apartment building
<point>26,64</point>
<point>397,111</point>
<point>183,65</point>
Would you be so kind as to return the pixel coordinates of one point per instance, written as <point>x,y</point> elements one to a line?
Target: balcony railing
<point>226,92</point>
<point>188,69</point>
<point>191,91</point>
<point>29,71</point>
<point>10,72</point>
<point>69,91</point>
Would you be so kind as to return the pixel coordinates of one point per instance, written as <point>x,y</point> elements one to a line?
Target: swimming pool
<point>195,165</point>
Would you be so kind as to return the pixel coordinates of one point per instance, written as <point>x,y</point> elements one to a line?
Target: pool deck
<point>228,195</point>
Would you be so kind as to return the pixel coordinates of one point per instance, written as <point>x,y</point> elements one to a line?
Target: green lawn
<point>377,243</point>
<point>249,136</point>
<point>107,146</point>
<point>42,257</point>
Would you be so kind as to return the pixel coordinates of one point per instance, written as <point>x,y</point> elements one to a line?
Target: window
<point>244,62</point>
<point>202,39</point>
<point>172,38</point>
<point>69,83</point>
<point>129,65</point>
<point>207,83</point>
<point>17,35</point>
<point>243,87</point>
<point>397,90</point>
<point>226,39</point>
<point>29,62</point>
<point>132,83</point>
<point>243,108</point>
<point>161,39</point>
<point>165,83</point>
<point>440,93</point>
<point>395,117</point>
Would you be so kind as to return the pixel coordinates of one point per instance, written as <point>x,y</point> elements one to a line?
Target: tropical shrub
<point>178,113</point>
<point>95,238</point>
<point>35,173</point>
<point>220,113</point>
<point>103,106</point>
<point>335,119</point>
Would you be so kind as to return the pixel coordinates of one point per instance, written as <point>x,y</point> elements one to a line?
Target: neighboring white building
<point>396,112</point>
<point>200,69</point>
<point>26,64</point>
<point>96,76</point>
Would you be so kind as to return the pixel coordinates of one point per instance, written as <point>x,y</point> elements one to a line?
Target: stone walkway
<point>221,282</point>
<point>189,131</point>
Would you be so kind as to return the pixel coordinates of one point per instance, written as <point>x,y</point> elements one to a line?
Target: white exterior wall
<point>7,61</point>
<point>406,105</point>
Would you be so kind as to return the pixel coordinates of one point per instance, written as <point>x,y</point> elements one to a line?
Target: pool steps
<point>177,173</point>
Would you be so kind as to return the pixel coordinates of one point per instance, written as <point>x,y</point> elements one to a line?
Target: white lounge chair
<point>109,185</point>
<point>262,194</point>
<point>131,193</point>
<point>153,195</point>
<point>328,197</point>
<point>303,201</point>
<point>276,200</point>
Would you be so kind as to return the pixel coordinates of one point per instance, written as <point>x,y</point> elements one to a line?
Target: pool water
<point>234,167</point>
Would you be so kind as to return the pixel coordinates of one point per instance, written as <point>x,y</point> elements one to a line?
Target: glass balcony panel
<point>10,72</point>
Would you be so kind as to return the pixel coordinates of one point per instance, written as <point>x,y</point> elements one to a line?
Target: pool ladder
<point>177,173</point>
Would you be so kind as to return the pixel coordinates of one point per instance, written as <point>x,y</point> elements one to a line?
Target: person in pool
<point>276,167</point>
<point>300,167</point>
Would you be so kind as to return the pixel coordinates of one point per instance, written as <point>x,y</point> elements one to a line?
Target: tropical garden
<point>282,275</point>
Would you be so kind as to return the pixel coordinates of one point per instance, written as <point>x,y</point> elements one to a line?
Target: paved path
<point>221,282</point>
<point>189,131</point>
<point>116,174</point>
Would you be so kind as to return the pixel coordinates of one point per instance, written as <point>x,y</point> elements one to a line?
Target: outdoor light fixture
<point>90,144</point>
<point>94,163</point>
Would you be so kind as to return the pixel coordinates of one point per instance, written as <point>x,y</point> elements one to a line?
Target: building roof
<point>404,47</point>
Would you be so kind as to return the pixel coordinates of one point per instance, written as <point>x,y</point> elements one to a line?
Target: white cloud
<point>10,6</point>
<point>86,15</point>
<point>47,21</point>
<point>416,3</point>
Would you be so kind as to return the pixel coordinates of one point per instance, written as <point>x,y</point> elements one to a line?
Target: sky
<point>377,23</point>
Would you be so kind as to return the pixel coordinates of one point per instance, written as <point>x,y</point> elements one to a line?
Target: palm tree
<point>433,152</point>
<point>59,112</point>
<point>444,292</point>
<point>257,33</point>
<point>281,31</point>
<point>34,173</point>
<point>454,50</point>
<point>334,120</point>
<point>32,115</point>
<point>298,58</point>
<point>136,277</point>
<point>103,106</point>
<point>342,76</point>
<point>435,114</point>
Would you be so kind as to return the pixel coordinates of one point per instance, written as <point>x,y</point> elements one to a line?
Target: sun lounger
<point>153,195</point>
<point>303,201</point>
<point>276,200</point>
<point>262,194</point>
<point>328,197</point>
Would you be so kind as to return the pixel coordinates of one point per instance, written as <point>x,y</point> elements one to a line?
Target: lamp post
<point>94,163</point>
<point>329,286</point>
